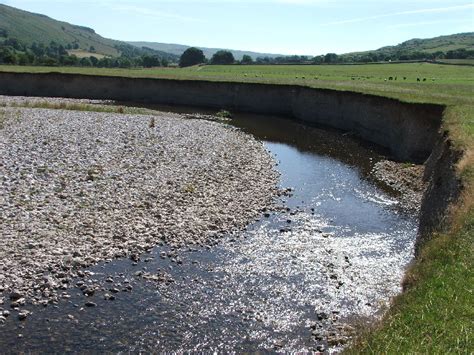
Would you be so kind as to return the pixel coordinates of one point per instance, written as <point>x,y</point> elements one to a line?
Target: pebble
<point>121,186</point>
<point>23,315</point>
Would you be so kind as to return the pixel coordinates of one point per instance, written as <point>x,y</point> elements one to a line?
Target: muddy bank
<point>82,187</point>
<point>409,131</point>
<point>444,187</point>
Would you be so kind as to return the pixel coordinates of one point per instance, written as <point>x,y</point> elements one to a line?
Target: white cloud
<point>152,13</point>
<point>425,23</point>
<point>400,13</point>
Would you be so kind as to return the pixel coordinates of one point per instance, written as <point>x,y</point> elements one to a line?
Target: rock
<point>317,335</point>
<point>133,197</point>
<point>88,291</point>
<point>109,297</point>
<point>23,315</point>
<point>322,316</point>
<point>90,304</point>
<point>18,303</point>
<point>15,295</point>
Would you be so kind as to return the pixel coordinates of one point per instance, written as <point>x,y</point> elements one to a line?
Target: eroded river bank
<point>300,278</point>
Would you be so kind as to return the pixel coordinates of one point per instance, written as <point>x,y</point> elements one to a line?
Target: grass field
<point>436,313</point>
<point>444,83</point>
<point>85,54</point>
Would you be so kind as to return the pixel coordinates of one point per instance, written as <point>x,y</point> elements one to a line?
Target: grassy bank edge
<point>435,313</point>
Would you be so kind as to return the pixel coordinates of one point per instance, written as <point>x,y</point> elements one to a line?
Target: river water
<point>299,279</point>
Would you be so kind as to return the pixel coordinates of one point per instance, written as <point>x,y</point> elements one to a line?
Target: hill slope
<point>178,49</point>
<point>28,27</point>
<point>459,41</point>
<point>432,45</point>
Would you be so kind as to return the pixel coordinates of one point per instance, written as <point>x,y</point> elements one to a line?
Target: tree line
<point>194,56</point>
<point>12,51</point>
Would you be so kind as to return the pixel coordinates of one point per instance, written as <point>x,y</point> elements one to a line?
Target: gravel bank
<point>77,188</point>
<point>405,179</point>
<point>31,100</point>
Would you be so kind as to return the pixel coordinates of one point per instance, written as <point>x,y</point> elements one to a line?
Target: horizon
<point>313,27</point>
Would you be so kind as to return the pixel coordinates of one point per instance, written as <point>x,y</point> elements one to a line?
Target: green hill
<point>455,44</point>
<point>436,44</point>
<point>28,28</point>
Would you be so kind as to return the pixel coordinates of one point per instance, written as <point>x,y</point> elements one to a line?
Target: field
<point>443,83</point>
<point>85,54</point>
<point>435,314</point>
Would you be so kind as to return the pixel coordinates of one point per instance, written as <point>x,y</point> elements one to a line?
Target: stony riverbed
<point>79,187</point>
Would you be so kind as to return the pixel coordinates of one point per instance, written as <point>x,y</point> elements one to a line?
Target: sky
<point>304,27</point>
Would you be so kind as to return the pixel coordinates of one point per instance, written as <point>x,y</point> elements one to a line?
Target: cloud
<point>153,13</point>
<point>425,23</point>
<point>400,13</point>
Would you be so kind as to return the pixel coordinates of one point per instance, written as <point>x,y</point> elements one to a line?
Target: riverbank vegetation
<point>434,314</point>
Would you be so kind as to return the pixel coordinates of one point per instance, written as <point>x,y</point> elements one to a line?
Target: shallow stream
<point>299,279</point>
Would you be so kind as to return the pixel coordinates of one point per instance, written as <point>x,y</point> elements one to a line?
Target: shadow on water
<point>294,280</point>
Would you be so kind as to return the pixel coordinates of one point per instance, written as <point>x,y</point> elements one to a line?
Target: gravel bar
<point>78,188</point>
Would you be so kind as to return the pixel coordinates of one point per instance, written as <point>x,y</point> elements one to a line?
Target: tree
<point>150,61</point>
<point>331,58</point>
<point>85,62</point>
<point>222,57</point>
<point>7,56</point>
<point>246,59</point>
<point>93,60</point>
<point>191,56</point>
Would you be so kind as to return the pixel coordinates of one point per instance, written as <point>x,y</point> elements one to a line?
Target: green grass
<point>435,313</point>
<point>452,84</point>
<point>85,54</point>
<point>79,107</point>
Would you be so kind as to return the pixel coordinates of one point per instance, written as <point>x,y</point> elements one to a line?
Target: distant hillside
<point>28,27</point>
<point>417,47</point>
<point>179,49</point>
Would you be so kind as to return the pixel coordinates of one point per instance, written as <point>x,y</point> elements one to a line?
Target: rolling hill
<point>178,49</point>
<point>459,41</point>
<point>28,27</point>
